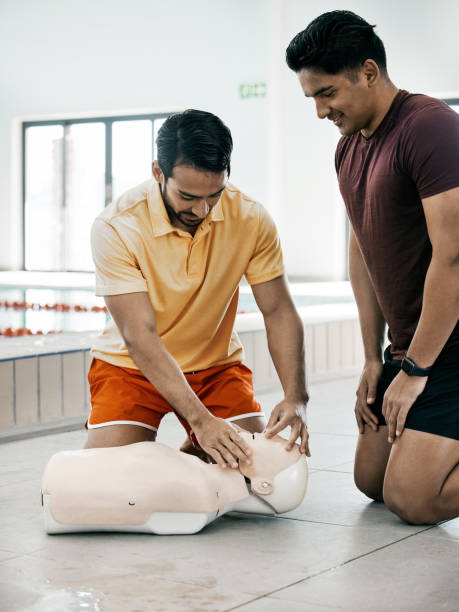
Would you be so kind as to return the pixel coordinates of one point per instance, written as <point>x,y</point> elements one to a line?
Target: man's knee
<point>370,463</point>
<point>413,506</point>
<point>367,483</point>
<point>254,424</point>
<point>118,435</point>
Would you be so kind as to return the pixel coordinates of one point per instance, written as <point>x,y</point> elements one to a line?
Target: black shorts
<point>436,410</point>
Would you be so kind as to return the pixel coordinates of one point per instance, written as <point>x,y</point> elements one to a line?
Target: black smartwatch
<point>410,368</point>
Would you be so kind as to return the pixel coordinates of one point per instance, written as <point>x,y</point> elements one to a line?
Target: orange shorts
<point>124,396</point>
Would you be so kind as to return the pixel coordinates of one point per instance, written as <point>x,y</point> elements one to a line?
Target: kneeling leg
<point>371,459</point>
<point>421,484</point>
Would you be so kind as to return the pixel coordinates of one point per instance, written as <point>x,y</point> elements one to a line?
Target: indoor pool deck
<point>337,551</point>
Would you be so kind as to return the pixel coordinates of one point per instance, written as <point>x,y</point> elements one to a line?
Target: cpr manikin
<point>152,488</point>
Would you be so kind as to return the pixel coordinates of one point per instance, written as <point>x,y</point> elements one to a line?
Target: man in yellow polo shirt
<point>169,257</point>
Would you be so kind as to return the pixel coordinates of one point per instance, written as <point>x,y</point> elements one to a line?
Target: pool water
<point>62,316</point>
<point>55,319</point>
<point>247,301</point>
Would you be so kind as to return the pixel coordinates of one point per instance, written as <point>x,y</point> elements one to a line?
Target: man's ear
<point>157,172</point>
<point>371,72</point>
<point>262,486</point>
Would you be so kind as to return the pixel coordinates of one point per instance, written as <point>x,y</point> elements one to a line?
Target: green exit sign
<point>252,90</point>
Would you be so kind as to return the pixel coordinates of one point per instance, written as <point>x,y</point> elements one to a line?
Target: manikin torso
<point>149,487</point>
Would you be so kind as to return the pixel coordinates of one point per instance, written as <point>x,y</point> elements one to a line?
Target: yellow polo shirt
<point>192,281</point>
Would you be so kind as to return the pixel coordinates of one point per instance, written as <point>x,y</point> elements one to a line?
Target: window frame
<point>108,121</point>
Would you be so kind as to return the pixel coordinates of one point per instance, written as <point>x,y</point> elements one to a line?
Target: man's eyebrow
<point>319,91</point>
<point>190,195</point>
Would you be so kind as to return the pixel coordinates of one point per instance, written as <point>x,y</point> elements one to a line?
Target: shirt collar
<point>160,222</point>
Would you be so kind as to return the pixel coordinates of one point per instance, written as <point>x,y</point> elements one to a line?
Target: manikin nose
<point>201,209</point>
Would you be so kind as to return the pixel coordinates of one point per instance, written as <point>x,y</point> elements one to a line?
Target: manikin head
<point>341,64</point>
<point>277,476</point>
<point>193,165</point>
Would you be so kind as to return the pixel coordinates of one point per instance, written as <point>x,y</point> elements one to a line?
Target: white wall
<point>71,56</point>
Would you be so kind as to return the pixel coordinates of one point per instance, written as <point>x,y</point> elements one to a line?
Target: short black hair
<point>194,138</point>
<point>334,42</point>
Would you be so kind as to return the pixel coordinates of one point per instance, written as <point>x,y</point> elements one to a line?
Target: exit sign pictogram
<point>252,90</point>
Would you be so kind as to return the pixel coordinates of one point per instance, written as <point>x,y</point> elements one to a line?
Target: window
<point>71,170</point>
<point>453,102</point>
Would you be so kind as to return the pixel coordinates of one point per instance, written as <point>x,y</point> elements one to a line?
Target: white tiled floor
<point>337,551</point>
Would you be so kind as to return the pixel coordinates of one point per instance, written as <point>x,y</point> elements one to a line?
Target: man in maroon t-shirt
<point>398,171</point>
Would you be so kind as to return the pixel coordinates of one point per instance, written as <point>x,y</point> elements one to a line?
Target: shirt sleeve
<point>266,262</point>
<point>117,271</point>
<point>430,149</point>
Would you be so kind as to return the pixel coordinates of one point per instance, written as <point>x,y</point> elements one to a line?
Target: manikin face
<point>347,100</point>
<point>190,194</point>
<point>268,459</point>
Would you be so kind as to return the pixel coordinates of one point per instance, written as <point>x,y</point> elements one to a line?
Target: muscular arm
<point>284,330</point>
<point>372,328</point>
<point>370,316</point>
<point>440,304</point>
<point>135,318</point>
<point>440,307</point>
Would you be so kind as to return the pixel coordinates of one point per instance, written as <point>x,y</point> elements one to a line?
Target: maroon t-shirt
<point>413,154</point>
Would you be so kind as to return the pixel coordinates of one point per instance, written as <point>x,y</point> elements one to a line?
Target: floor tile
<point>331,407</point>
<point>129,590</point>
<point>23,533</point>
<point>332,497</point>
<point>418,573</point>
<point>448,529</point>
<point>328,450</point>
<point>5,555</point>
<point>33,453</point>
<point>347,467</point>
<point>269,604</point>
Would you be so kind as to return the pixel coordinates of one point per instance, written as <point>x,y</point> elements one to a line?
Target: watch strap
<point>410,368</point>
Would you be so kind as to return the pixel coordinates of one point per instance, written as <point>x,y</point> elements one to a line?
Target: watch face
<point>408,366</point>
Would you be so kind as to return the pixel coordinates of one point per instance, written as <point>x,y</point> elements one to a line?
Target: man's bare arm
<point>370,316</point>
<point>285,334</point>
<point>135,318</point>
<point>440,307</point>
<point>440,302</point>
<point>372,329</point>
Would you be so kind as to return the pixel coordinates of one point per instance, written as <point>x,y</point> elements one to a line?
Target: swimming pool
<point>43,310</point>
<point>247,301</point>
<point>49,310</point>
